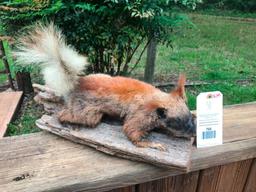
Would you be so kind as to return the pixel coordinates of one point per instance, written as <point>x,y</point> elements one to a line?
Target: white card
<point>209,107</point>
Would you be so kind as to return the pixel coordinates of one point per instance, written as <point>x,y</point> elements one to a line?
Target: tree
<point>109,31</point>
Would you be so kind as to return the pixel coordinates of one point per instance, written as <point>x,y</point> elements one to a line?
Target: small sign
<point>209,107</point>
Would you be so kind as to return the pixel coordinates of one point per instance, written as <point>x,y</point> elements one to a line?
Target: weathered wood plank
<point>153,186</point>
<point>208,179</point>
<point>124,189</point>
<point>250,185</point>
<point>231,177</point>
<point>230,128</point>
<point>237,119</point>
<point>223,154</point>
<point>8,104</point>
<point>180,183</point>
<point>46,162</point>
<point>111,140</point>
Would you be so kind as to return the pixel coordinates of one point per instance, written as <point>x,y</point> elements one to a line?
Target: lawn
<point>226,13</point>
<point>215,50</point>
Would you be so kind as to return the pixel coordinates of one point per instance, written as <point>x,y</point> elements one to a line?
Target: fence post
<point>6,65</point>
<point>150,63</point>
<point>24,82</point>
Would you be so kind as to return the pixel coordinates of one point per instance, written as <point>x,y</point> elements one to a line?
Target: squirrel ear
<point>180,88</point>
<point>161,112</point>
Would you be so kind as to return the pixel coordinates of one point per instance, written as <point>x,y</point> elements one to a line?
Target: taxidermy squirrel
<point>141,106</point>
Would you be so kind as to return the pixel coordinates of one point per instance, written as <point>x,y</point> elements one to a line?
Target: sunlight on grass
<point>214,50</point>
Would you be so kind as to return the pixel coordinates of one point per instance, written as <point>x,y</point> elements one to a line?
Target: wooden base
<point>110,139</point>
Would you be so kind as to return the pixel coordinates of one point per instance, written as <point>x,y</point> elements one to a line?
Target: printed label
<point>209,107</point>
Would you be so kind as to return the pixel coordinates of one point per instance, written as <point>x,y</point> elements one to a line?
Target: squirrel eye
<point>161,112</point>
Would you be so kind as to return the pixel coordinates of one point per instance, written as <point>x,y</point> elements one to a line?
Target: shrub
<point>108,31</point>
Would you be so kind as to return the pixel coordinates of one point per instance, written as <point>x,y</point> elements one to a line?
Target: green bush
<point>108,31</point>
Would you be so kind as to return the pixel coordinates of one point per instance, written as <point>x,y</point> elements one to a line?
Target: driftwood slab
<point>110,139</point>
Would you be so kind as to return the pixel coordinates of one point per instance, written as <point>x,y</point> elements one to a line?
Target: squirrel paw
<point>152,145</point>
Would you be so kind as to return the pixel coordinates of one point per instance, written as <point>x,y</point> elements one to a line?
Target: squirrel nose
<point>191,126</point>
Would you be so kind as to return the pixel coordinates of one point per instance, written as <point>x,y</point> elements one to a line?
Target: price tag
<point>209,119</point>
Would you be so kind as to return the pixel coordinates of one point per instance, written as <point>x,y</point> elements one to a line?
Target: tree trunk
<point>150,64</point>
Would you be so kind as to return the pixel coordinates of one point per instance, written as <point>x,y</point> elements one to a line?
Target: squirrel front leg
<point>137,127</point>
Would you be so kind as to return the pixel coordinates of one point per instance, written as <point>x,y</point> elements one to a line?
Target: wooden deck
<point>9,101</point>
<point>44,162</point>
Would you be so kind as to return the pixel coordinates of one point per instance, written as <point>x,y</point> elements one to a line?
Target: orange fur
<point>124,88</point>
<point>180,89</point>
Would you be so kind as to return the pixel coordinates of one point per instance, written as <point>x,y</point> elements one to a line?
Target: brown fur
<point>134,101</point>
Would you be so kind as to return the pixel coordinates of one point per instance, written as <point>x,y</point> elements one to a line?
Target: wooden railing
<point>44,162</point>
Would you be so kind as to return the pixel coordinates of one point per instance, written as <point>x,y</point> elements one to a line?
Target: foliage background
<point>108,31</point>
<point>216,50</point>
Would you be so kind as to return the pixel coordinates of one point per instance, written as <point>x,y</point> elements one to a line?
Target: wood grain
<point>250,185</point>
<point>237,119</point>
<point>45,162</point>
<point>233,176</point>
<point>54,164</point>
<point>111,140</point>
<point>9,101</point>
<point>49,163</point>
<point>180,183</point>
<point>208,179</point>
<point>226,178</point>
<point>124,189</point>
<point>226,153</point>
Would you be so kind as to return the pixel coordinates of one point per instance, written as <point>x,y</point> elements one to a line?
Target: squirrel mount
<point>85,100</point>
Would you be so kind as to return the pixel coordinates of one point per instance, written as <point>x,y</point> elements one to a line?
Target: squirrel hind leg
<point>90,118</point>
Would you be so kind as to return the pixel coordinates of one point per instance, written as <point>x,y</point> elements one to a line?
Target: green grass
<point>25,123</point>
<point>227,13</point>
<point>213,50</point>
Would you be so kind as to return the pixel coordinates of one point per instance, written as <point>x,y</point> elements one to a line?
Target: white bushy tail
<point>60,64</point>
